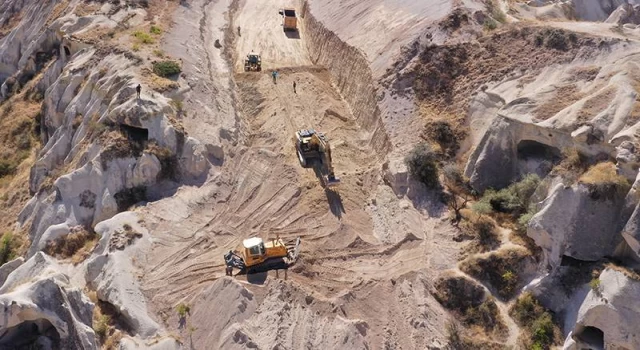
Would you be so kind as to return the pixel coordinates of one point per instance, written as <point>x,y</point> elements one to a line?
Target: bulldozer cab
<point>254,250</point>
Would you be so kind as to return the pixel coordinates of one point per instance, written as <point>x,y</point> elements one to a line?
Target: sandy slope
<point>261,32</point>
<point>356,241</point>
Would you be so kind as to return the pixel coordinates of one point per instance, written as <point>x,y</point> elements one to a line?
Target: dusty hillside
<point>487,153</point>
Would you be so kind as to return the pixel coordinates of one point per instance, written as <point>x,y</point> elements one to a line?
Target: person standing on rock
<point>294,87</point>
<point>138,90</point>
<point>274,75</point>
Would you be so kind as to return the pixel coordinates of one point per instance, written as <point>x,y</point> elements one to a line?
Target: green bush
<point>515,198</point>
<point>7,248</point>
<point>422,165</point>
<point>542,330</point>
<point>166,68</point>
<point>7,167</point>
<point>155,30</point>
<point>490,24</point>
<point>143,37</point>
<point>539,328</point>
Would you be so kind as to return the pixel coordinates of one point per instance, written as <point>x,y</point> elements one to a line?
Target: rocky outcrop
<point>607,316</point>
<point>110,271</point>
<point>572,223</point>
<point>512,148</point>
<point>39,307</point>
<point>625,13</point>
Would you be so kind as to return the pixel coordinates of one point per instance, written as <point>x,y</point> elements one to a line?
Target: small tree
<point>481,208</point>
<point>422,165</point>
<point>455,183</point>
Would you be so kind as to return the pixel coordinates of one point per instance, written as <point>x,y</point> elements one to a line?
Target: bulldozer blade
<point>296,250</point>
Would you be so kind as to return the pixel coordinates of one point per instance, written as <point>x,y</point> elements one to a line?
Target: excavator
<point>314,150</point>
<point>258,256</point>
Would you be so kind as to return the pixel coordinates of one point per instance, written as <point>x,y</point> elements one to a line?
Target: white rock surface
<point>38,292</point>
<point>574,224</point>
<point>111,271</point>
<point>613,309</point>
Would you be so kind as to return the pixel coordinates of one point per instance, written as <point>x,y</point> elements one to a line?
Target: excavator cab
<point>313,149</point>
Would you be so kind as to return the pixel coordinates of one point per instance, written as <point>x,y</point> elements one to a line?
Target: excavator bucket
<point>332,181</point>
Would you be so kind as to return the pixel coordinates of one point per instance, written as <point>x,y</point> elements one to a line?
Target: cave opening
<point>591,338</point>
<point>536,157</point>
<point>67,52</point>
<point>137,137</point>
<point>36,334</point>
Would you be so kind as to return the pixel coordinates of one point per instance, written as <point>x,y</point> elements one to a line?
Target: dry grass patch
<point>77,245</point>
<point>596,104</point>
<point>107,324</point>
<point>500,269</point>
<point>485,233</point>
<point>604,182</point>
<point>469,303</point>
<point>564,97</point>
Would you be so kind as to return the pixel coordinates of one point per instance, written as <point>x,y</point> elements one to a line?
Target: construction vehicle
<point>289,19</point>
<point>253,62</point>
<point>259,256</point>
<point>313,150</point>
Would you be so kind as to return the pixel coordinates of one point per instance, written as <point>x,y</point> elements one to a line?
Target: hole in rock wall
<point>38,334</point>
<point>590,338</point>
<point>538,158</point>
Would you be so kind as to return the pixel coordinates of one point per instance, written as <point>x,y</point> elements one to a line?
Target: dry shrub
<point>107,324</point>
<point>468,303</point>
<point>604,182</point>
<point>446,134</point>
<point>485,232</point>
<point>572,166</point>
<point>539,328</point>
<point>77,245</point>
<point>499,269</point>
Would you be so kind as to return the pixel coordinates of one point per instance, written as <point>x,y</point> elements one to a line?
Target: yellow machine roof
<point>251,242</point>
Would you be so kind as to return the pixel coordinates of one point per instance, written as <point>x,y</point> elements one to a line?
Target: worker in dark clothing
<point>294,87</point>
<point>138,89</point>
<point>274,75</point>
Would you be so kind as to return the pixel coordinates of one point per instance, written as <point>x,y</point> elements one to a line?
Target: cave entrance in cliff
<point>137,137</point>
<point>536,157</point>
<point>67,52</point>
<point>591,338</point>
<point>34,334</point>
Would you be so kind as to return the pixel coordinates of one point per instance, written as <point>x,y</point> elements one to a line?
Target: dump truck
<point>253,62</point>
<point>257,256</point>
<point>314,150</point>
<point>289,19</point>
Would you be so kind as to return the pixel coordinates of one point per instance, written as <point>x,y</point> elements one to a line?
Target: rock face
<point>572,223</point>
<point>625,13</point>
<point>607,317</point>
<point>110,174</point>
<point>631,231</point>
<point>111,273</point>
<point>39,306</point>
<point>512,148</point>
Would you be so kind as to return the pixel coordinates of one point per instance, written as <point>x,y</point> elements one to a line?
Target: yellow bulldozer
<point>314,150</point>
<point>257,256</point>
